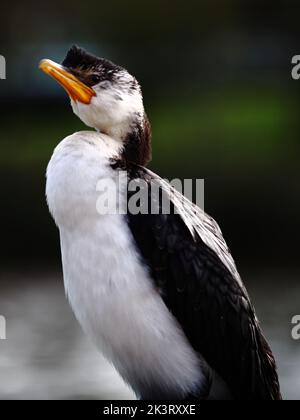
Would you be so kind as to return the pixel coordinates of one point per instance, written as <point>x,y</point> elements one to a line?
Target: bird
<point>158,292</point>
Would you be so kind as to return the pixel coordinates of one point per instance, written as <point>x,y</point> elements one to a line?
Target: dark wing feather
<point>196,276</point>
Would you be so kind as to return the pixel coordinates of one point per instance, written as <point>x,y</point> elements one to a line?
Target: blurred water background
<point>218,89</point>
<point>47,356</point>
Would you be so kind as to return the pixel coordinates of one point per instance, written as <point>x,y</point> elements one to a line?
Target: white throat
<point>112,111</point>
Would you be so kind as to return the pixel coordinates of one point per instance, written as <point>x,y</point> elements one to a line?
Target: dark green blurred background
<point>217,83</point>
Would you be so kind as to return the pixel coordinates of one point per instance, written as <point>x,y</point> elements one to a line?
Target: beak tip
<point>43,64</point>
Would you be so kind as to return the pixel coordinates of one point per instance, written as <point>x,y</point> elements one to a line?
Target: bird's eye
<point>95,78</point>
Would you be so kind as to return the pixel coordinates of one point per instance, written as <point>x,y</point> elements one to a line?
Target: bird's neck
<point>134,138</point>
<point>137,143</point>
<point>117,132</point>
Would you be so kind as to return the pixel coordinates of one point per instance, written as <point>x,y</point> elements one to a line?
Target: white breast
<point>108,287</point>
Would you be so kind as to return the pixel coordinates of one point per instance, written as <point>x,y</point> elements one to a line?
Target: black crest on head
<point>89,68</point>
<point>78,57</point>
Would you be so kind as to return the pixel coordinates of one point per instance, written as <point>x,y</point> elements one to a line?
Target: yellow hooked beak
<point>77,90</point>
